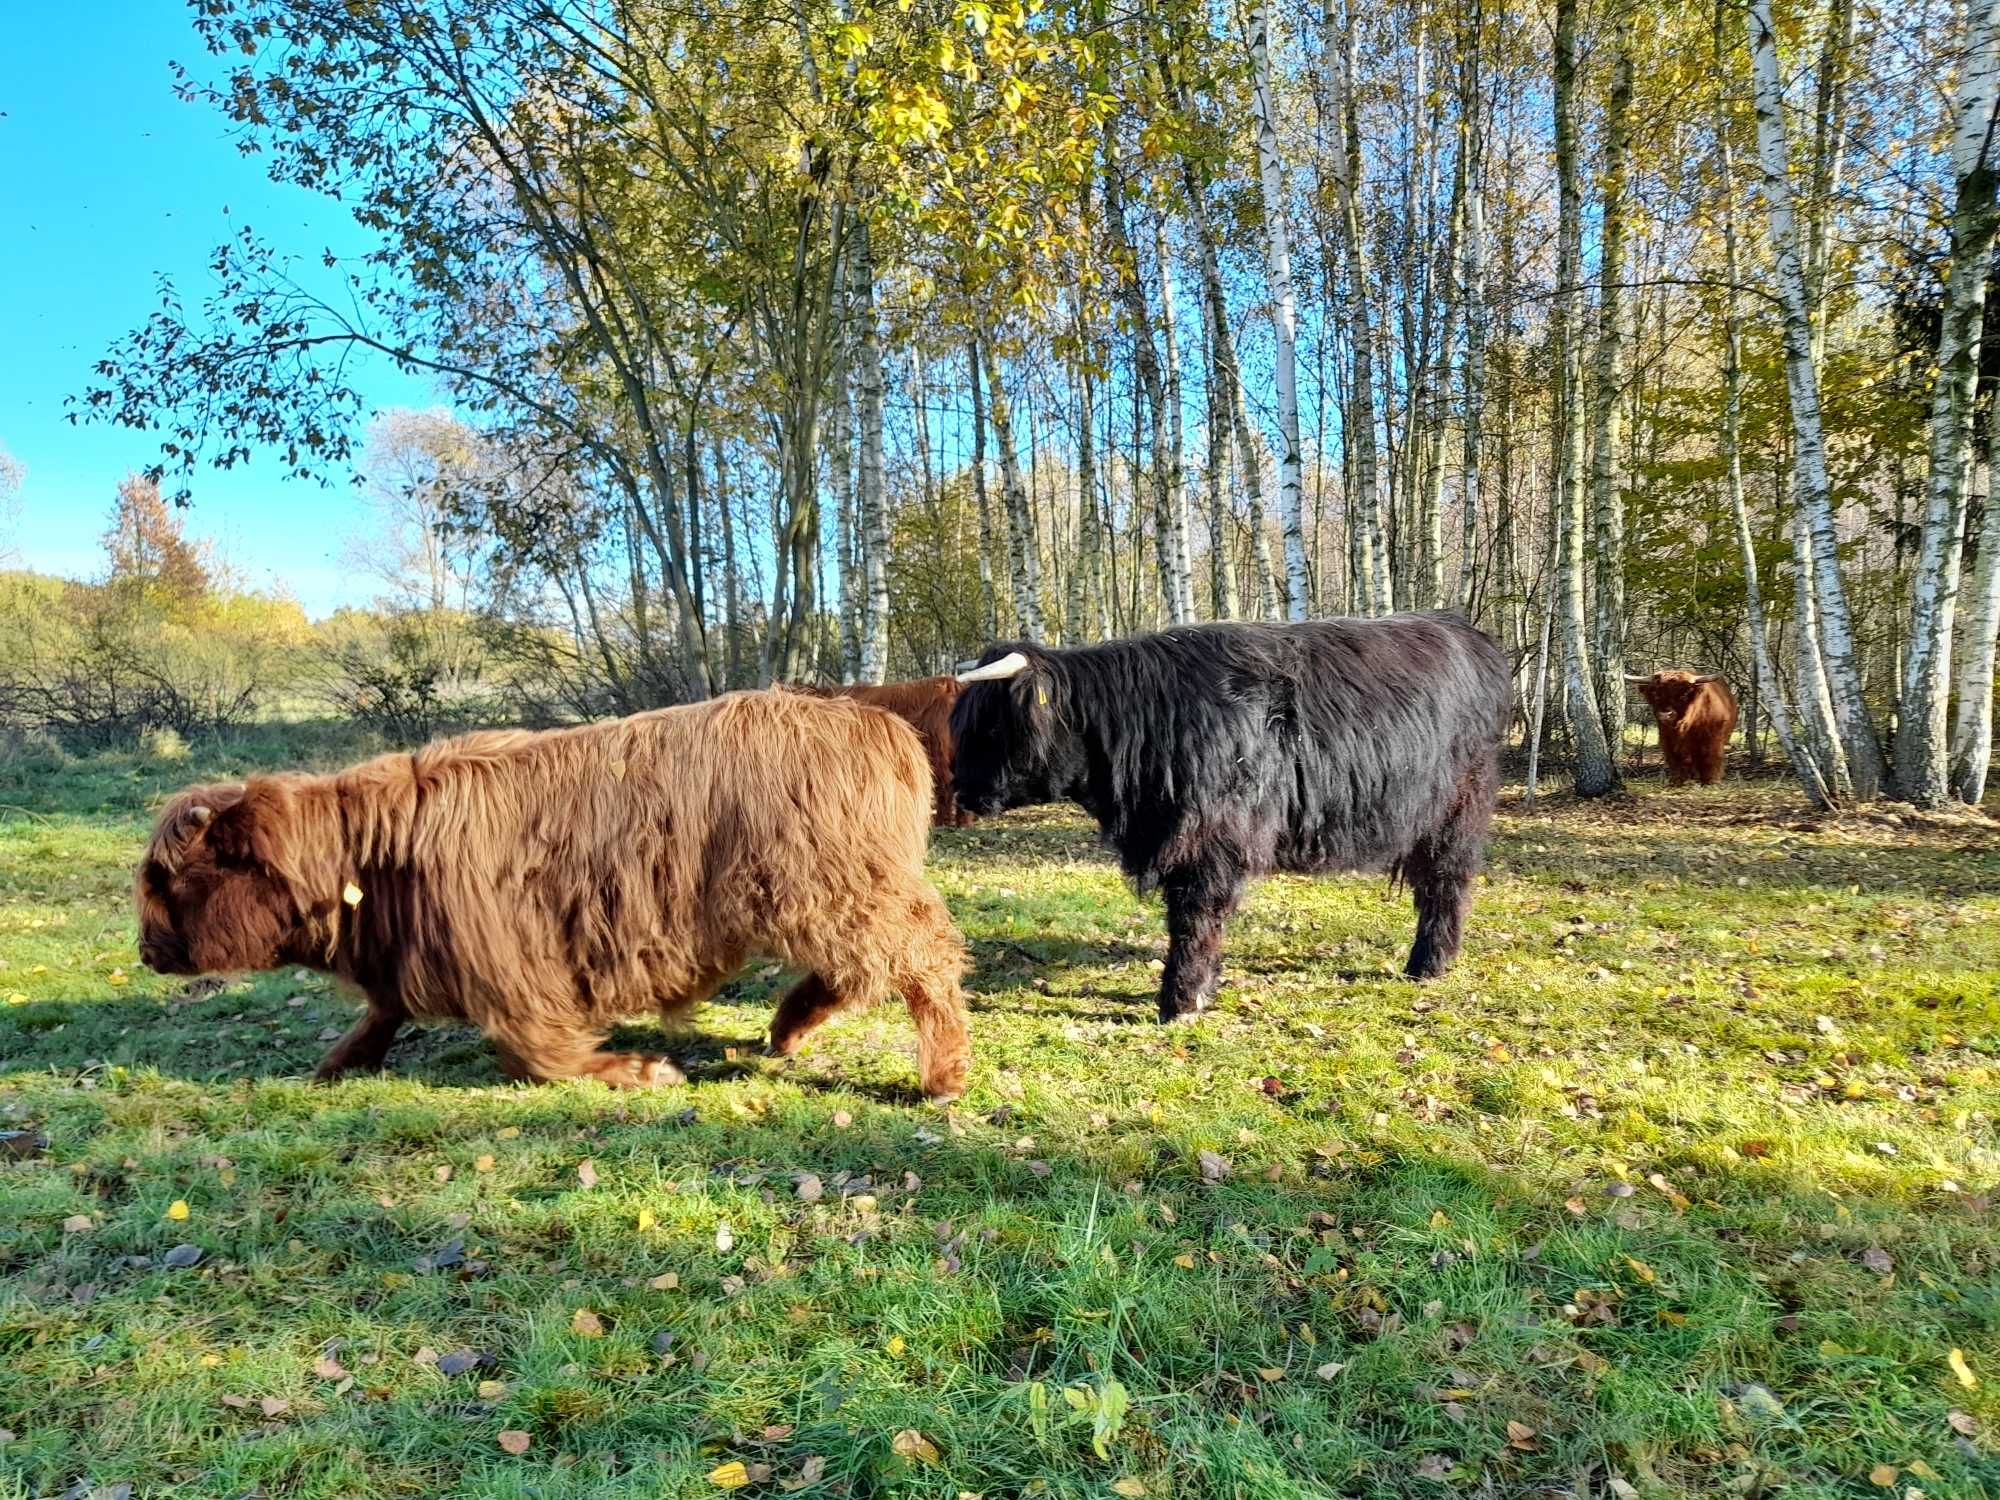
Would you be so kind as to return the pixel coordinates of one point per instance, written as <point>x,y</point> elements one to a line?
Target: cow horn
<point>1630,678</point>
<point>1712,677</point>
<point>201,815</point>
<point>1013,664</point>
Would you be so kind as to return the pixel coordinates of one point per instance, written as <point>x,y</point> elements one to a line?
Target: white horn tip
<point>201,814</point>
<point>1013,664</point>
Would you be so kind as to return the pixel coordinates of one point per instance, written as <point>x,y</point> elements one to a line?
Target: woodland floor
<point>1681,1184</point>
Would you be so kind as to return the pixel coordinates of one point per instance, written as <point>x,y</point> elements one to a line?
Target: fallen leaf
<point>725,1237</point>
<point>326,1367</point>
<point>1521,1435</point>
<point>587,1323</point>
<point>1640,1269</point>
<point>1330,1369</point>
<point>508,1134</point>
<point>665,1282</point>
<point>77,1224</point>
<point>1435,1466</point>
<point>457,1362</point>
<point>1963,1423</point>
<point>809,1474</point>
<point>274,1406</point>
<point>515,1441</point>
<point>1270,1373</point>
<point>1576,1206</point>
<point>177,1210</point>
<point>586,1173</point>
<point>441,1174</point>
<point>1956,1359</point>
<point>1883,1476</point>
<point>729,1476</point>
<point>1622,1489</point>
<point>896,1346</point>
<point>1213,1168</point>
<point>909,1443</point>
<point>181,1257</point>
<point>1877,1260</point>
<point>1619,1190</point>
<point>492,1390</point>
<point>1185,1262</point>
<point>810,1189</point>
<point>841,1120</point>
<point>482,1164</point>
<point>1130,1487</point>
<point>646,1220</point>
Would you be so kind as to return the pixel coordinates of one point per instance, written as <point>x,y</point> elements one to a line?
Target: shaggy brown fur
<point>541,885</point>
<point>1696,715</point>
<point>925,705</point>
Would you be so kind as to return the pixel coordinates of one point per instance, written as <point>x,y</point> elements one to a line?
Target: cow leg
<point>807,1004</point>
<point>1199,902</point>
<point>911,949</point>
<point>1440,872</point>
<point>542,1049</point>
<point>366,1045</point>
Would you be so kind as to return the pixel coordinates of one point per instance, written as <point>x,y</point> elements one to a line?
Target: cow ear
<point>1710,678</point>
<point>247,831</point>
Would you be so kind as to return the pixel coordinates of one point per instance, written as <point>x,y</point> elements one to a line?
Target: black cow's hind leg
<point>1440,872</point>
<point>1199,902</point>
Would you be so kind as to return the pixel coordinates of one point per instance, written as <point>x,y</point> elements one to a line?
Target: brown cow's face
<point>1668,693</point>
<point>207,904</point>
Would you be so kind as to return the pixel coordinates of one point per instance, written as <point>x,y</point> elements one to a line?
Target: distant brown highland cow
<point>542,885</point>
<point>925,705</point>
<point>1696,715</point>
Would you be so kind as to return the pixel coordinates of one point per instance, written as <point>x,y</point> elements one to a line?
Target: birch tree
<point>1922,772</point>
<point>1025,556</point>
<point>1862,748</point>
<point>1177,562</point>
<point>1972,728</point>
<point>1596,771</point>
<point>1472,293</point>
<point>1607,503</point>
<point>873,519</point>
<point>1284,317</point>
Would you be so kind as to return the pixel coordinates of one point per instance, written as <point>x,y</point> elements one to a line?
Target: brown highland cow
<point>925,705</point>
<point>1696,715</point>
<point>542,885</point>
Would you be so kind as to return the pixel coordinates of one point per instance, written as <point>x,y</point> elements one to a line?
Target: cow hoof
<point>1179,1017</point>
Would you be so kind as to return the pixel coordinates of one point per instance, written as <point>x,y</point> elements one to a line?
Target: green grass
<point>1781,1034</point>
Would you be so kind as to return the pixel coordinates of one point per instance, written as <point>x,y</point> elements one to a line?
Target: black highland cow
<point>1211,754</point>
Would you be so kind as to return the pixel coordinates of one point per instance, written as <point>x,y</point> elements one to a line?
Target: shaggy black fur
<point>1215,753</point>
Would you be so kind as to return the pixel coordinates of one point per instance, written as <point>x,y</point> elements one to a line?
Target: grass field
<point>1681,1184</point>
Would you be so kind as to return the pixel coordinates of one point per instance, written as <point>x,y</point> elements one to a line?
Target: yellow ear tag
<point>1041,695</point>
<point>351,894</point>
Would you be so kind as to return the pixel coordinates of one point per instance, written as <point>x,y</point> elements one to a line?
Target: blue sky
<point>108,180</point>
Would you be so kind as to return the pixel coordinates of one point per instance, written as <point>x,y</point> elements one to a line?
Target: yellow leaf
<point>665,1282</point>
<point>483,1164</point>
<point>509,1133</point>
<point>587,1323</point>
<point>1640,1269</point>
<point>117,976</point>
<point>1439,1218</point>
<point>1520,1435</point>
<point>1883,1476</point>
<point>896,1345</point>
<point>15,997</point>
<point>729,1476</point>
<point>515,1441</point>
<point>1270,1373</point>
<point>909,1443</point>
<point>177,1210</point>
<point>646,1219</point>
<point>1129,1487</point>
<point>492,1390</point>
<point>1185,1262</point>
<point>1956,1359</point>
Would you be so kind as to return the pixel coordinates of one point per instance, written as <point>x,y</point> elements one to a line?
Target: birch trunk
<point>1862,748</point>
<point>988,543</point>
<point>1821,730</point>
<point>1086,597</point>
<point>1250,464</point>
<point>1284,318</point>
<point>840,464</point>
<point>1607,503</point>
<point>1378,593</point>
<point>1024,556</point>
<point>1179,551</point>
<point>872,664</point>
<point>1922,771</point>
<point>732,578</point>
<point>1972,729</point>
<point>1223,601</point>
<point>1770,691</point>
<point>1472,292</point>
<point>1596,772</point>
<point>1430,519</point>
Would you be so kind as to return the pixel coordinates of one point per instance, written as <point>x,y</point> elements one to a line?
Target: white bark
<point>840,462</point>
<point>1284,317</point>
<point>1177,560</point>
<point>873,538</point>
<point>1026,572</point>
<point>1250,464</point>
<point>1223,601</point>
<point>1472,292</point>
<point>1862,748</point>
<point>1372,541</point>
<point>1922,772</point>
<point>1596,772</point>
<point>1608,505</point>
<point>989,540</point>
<point>1972,729</point>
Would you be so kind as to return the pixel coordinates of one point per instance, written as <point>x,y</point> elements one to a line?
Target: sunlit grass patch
<point>1682,1178</point>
